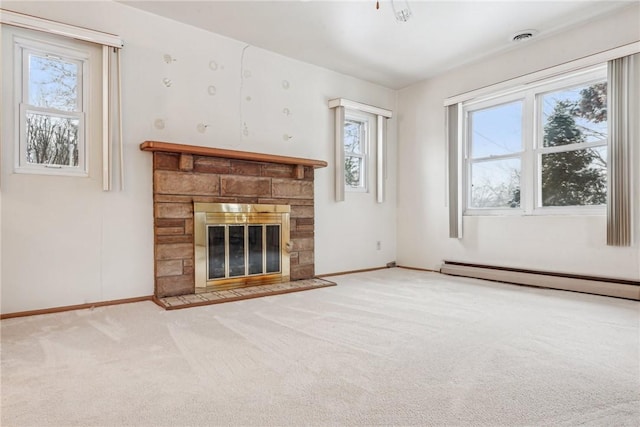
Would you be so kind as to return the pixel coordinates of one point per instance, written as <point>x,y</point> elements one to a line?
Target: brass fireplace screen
<point>240,244</point>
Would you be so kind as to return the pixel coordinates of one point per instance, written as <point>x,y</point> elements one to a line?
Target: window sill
<point>51,171</point>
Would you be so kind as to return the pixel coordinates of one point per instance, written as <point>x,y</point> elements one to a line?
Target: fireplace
<point>227,219</point>
<point>240,245</point>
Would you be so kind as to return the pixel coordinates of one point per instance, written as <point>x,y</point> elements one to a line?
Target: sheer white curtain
<point>624,114</point>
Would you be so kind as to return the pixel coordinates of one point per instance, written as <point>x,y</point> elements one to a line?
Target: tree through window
<point>574,153</point>
<point>52,108</point>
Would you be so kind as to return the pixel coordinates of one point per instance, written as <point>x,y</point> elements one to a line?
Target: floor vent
<point>628,289</point>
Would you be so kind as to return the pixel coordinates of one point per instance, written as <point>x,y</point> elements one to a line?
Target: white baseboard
<point>598,286</point>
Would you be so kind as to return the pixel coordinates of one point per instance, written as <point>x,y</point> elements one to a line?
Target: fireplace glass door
<point>240,245</point>
<point>243,250</point>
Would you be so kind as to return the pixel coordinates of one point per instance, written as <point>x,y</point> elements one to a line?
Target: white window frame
<point>532,149</point>
<point>23,47</point>
<point>366,121</point>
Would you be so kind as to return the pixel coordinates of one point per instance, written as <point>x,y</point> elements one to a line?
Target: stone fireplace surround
<point>184,174</point>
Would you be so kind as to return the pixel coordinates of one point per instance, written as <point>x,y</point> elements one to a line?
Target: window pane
<point>52,140</point>
<point>575,178</point>
<point>53,83</point>
<point>353,171</point>
<point>236,251</point>
<point>496,131</point>
<point>353,136</point>
<point>575,115</point>
<point>273,248</point>
<point>216,251</point>
<point>255,249</point>
<point>495,184</point>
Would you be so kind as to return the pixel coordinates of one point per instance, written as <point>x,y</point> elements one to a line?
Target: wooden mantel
<point>168,147</point>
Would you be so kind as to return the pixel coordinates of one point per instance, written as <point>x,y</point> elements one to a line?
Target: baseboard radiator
<point>628,289</point>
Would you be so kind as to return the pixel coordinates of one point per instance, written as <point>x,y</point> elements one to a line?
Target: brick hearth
<point>184,174</point>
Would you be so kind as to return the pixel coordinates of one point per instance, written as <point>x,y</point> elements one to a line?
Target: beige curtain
<point>622,118</point>
<point>454,172</point>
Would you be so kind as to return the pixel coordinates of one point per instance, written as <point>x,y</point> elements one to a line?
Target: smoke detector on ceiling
<point>523,35</point>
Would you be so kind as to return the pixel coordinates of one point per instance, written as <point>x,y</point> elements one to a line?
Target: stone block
<point>205,199</point>
<point>309,173</point>
<point>211,165</point>
<point>186,162</point>
<point>174,285</point>
<point>245,186</point>
<point>165,161</point>
<point>169,222</point>
<point>161,231</point>
<point>178,251</point>
<point>188,226</point>
<point>239,167</point>
<point>298,172</point>
<point>293,258</point>
<point>169,268</point>
<point>185,183</point>
<point>172,198</point>
<point>171,238</point>
<point>297,234</point>
<point>306,257</point>
<point>302,211</point>
<point>305,244</point>
<point>299,272</point>
<point>303,225</point>
<point>173,210</point>
<point>290,188</point>
<point>277,171</point>
<point>187,270</point>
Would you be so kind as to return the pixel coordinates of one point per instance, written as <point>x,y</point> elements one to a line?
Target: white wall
<point>572,244</point>
<point>86,245</point>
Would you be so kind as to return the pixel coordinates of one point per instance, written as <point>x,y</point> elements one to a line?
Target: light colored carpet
<point>390,347</point>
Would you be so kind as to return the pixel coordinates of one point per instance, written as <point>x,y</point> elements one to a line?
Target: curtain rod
<point>583,62</point>
<point>16,19</point>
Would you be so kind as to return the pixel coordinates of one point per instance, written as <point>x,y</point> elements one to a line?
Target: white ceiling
<point>354,38</point>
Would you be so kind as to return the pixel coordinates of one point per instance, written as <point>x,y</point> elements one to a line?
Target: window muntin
<point>495,183</point>
<point>562,167</point>
<point>52,108</point>
<point>52,139</point>
<point>356,148</point>
<point>496,130</point>
<point>574,177</point>
<point>54,82</point>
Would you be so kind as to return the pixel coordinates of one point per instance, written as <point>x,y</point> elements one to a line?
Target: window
<point>541,149</point>
<point>356,149</point>
<point>358,126</point>
<point>572,153</point>
<point>52,108</point>
<point>496,156</point>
